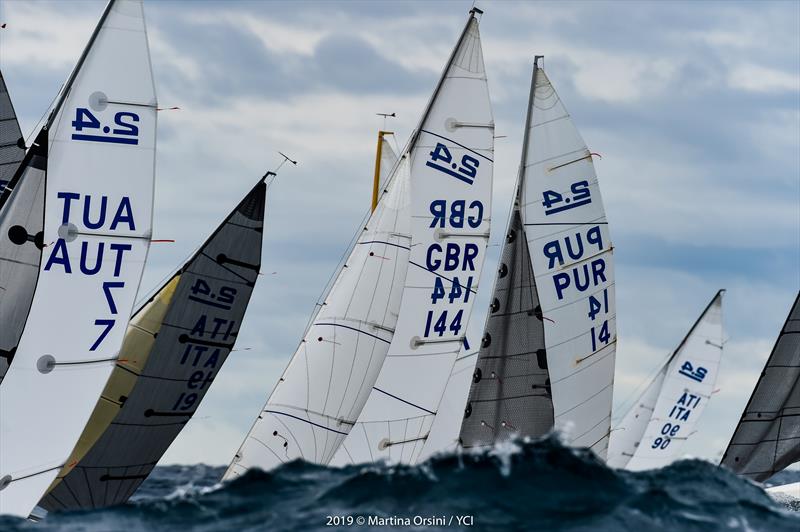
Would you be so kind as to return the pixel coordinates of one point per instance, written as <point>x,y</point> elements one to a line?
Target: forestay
<point>320,394</point>
<point>672,404</point>
<point>451,186</point>
<point>174,348</point>
<point>12,144</point>
<point>571,252</point>
<point>97,229</point>
<point>767,439</point>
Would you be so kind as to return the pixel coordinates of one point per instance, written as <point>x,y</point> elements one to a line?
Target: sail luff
<point>766,439</point>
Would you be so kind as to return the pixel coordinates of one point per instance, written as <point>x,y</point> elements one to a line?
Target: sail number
<point>680,412</point>
<point>555,202</point>
<point>453,265</point>
<point>123,131</point>
<point>208,342</point>
<point>442,160</point>
<point>90,260</point>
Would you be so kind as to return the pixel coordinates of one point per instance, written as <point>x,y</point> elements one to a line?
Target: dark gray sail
<point>510,391</point>
<point>21,224</point>
<point>767,438</point>
<point>12,145</point>
<point>197,333</point>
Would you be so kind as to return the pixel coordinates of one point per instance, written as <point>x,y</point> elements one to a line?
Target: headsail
<point>571,252</point>
<point>174,348</point>
<point>655,430</point>
<point>97,228</point>
<point>12,144</point>
<point>510,392</point>
<point>451,184</point>
<point>767,439</point>
<point>324,387</point>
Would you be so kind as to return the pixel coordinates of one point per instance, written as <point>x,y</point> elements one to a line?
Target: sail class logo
<point>687,370</point>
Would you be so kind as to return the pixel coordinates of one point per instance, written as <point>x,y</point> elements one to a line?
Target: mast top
<point>475,11</point>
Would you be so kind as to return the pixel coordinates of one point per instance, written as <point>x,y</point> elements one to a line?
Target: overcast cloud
<point>695,108</point>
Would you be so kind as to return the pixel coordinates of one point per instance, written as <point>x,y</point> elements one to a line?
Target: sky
<point>694,107</point>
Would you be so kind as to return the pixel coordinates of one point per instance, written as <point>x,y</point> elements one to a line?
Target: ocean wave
<point>539,485</point>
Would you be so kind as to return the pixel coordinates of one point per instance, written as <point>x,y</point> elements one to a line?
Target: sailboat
<point>546,359</point>
<point>95,161</point>
<point>175,345</point>
<point>437,301</point>
<point>12,144</point>
<point>426,236</point>
<point>767,438</point>
<point>655,429</point>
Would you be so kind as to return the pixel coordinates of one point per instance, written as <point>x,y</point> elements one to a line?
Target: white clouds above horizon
<point>694,107</point>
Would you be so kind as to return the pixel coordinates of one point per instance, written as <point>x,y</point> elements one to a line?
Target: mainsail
<point>451,184</point>
<point>571,254</point>
<point>767,438</point>
<point>98,192</point>
<point>12,144</point>
<point>175,345</point>
<point>510,392</point>
<point>653,432</point>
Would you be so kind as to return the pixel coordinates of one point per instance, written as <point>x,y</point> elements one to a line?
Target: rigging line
<point>354,329</point>
<point>304,421</point>
<point>457,144</point>
<point>472,290</point>
<point>403,400</point>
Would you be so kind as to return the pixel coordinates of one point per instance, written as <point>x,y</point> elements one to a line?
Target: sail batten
<point>766,439</point>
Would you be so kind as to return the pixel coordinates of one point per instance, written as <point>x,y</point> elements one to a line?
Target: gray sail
<point>767,438</point>
<point>12,145</point>
<point>199,328</point>
<point>21,224</point>
<point>510,390</point>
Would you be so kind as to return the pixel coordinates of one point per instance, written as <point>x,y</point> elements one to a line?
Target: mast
<point>376,182</point>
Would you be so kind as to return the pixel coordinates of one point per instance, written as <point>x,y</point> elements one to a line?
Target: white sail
<point>320,394</point>
<point>627,434</point>
<point>388,162</point>
<point>97,228</point>
<point>571,252</point>
<point>451,183</point>
<point>687,387</point>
